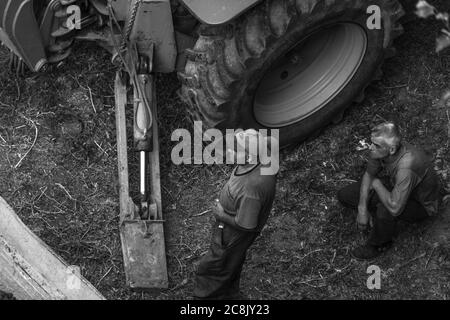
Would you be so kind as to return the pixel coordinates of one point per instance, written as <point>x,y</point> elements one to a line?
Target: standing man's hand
<point>363,218</point>
<point>221,216</point>
<point>217,209</point>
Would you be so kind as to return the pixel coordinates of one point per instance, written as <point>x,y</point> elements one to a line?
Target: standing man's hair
<point>390,131</point>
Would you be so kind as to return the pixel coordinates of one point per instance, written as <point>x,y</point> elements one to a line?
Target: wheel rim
<point>310,75</point>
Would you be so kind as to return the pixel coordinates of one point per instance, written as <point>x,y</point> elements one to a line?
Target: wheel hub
<point>310,75</point>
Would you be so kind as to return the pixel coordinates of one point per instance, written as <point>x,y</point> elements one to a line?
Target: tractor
<point>292,65</point>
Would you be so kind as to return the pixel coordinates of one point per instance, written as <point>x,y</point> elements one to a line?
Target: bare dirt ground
<point>65,187</point>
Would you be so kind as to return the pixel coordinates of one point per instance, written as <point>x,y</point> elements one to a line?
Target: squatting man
<point>410,193</point>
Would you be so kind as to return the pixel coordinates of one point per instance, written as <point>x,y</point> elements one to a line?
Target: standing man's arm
<point>222,216</point>
<point>234,221</point>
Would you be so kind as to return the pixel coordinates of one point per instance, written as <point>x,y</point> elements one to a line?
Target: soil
<point>6,296</point>
<point>65,187</point>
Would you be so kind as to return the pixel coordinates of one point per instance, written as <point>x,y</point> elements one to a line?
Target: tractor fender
<point>215,12</point>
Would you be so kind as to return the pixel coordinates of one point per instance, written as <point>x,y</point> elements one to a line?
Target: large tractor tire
<point>295,65</point>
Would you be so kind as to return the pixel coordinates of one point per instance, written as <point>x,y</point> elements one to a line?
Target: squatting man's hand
<point>363,219</point>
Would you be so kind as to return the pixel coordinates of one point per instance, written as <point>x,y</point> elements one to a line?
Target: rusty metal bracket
<point>142,238</point>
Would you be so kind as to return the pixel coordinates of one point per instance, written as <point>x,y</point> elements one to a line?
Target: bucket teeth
<point>60,46</point>
<point>60,32</point>
<point>16,64</point>
<point>62,13</point>
<point>57,57</point>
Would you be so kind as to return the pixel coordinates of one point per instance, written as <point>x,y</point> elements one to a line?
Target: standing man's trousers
<point>384,222</point>
<point>219,271</point>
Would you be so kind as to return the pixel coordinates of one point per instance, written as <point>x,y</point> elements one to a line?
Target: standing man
<point>241,212</point>
<point>413,197</point>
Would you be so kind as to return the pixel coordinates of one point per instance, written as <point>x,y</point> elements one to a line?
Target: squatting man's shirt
<point>412,175</point>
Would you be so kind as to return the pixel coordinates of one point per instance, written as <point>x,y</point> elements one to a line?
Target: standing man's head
<point>386,140</point>
<point>251,147</point>
<point>245,146</point>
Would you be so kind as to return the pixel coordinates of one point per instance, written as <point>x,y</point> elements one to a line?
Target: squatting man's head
<point>386,140</point>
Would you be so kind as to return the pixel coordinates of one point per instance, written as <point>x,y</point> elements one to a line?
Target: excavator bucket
<point>20,32</point>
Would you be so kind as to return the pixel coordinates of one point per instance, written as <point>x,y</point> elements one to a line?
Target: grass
<point>65,187</point>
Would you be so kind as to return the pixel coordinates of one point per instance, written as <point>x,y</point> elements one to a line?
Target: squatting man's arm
<point>393,201</point>
<point>363,216</point>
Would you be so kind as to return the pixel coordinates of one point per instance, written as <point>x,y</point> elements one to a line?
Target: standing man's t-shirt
<point>249,198</point>
<point>411,173</point>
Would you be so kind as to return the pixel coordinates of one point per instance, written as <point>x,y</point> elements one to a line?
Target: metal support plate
<point>154,25</point>
<point>144,254</point>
